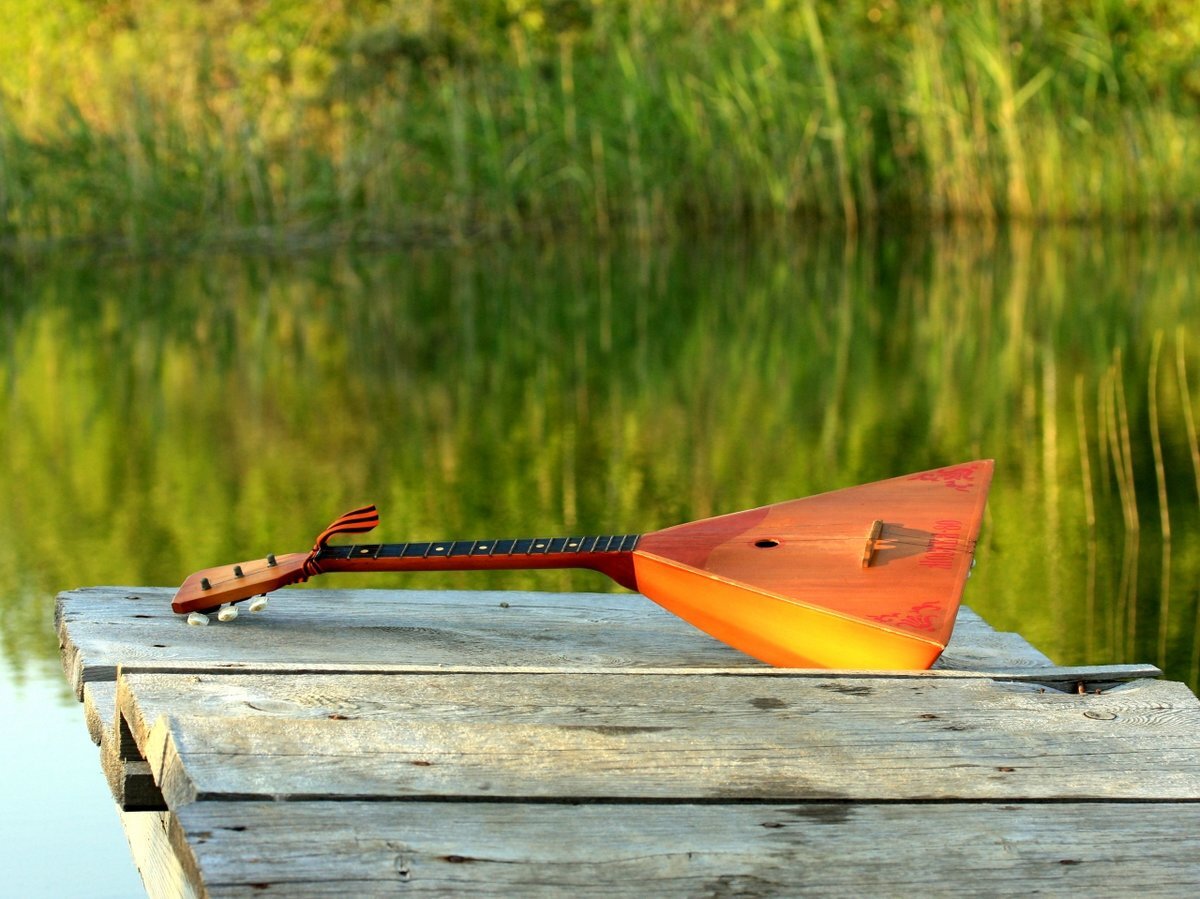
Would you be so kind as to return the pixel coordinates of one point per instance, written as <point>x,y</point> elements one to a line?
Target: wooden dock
<point>384,742</point>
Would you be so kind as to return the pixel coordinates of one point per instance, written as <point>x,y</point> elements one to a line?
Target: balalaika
<point>867,577</point>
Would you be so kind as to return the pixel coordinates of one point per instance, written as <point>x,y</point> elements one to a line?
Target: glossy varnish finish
<point>864,577</point>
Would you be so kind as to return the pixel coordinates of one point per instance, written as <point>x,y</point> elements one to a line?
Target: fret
<point>525,546</point>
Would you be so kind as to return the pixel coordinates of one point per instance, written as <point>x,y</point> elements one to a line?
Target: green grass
<point>146,125</point>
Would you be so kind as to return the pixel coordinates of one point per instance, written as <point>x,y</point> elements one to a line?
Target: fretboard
<point>526,546</point>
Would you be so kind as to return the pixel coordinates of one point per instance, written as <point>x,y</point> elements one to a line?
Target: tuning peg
<point>271,563</point>
<point>199,619</point>
<point>227,612</point>
<point>258,604</point>
<point>237,571</point>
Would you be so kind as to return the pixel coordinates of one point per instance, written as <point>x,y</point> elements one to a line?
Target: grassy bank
<point>149,122</point>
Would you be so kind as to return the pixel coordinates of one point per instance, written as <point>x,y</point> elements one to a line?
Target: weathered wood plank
<point>951,849</point>
<point>409,695</point>
<point>974,648</point>
<point>154,843</point>
<point>100,696</point>
<point>100,628</point>
<point>658,738</point>
<point>129,779</point>
<point>1081,678</point>
<point>103,627</point>
<point>99,709</point>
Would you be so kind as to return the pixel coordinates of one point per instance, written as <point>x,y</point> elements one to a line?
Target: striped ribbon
<point>355,522</point>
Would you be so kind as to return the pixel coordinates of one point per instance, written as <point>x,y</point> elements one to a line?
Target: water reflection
<point>166,416</point>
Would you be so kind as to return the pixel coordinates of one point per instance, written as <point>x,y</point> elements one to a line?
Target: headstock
<point>208,590</point>
<point>216,589</point>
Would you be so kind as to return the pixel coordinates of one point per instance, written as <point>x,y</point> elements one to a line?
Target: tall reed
<point>1089,505</point>
<point>1160,479</point>
<point>1194,448</point>
<point>150,124</point>
<point>1121,446</point>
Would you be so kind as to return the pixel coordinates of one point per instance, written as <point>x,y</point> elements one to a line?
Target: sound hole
<point>766,543</point>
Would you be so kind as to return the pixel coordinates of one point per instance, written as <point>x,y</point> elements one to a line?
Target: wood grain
<point>129,778</point>
<point>378,742</point>
<point>100,628</point>
<point>99,709</point>
<point>596,849</point>
<point>657,738</point>
<point>1080,678</point>
<point>157,844</point>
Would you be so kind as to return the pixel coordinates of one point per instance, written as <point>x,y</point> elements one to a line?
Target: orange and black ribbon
<point>357,521</point>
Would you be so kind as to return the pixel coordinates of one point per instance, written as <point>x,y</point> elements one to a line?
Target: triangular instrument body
<point>868,577</point>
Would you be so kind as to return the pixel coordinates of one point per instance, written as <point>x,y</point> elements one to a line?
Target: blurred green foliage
<point>166,416</point>
<point>146,123</point>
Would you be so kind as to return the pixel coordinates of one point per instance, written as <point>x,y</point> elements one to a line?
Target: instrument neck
<point>611,554</point>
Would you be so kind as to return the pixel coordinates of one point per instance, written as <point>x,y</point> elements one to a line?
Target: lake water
<point>161,416</point>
